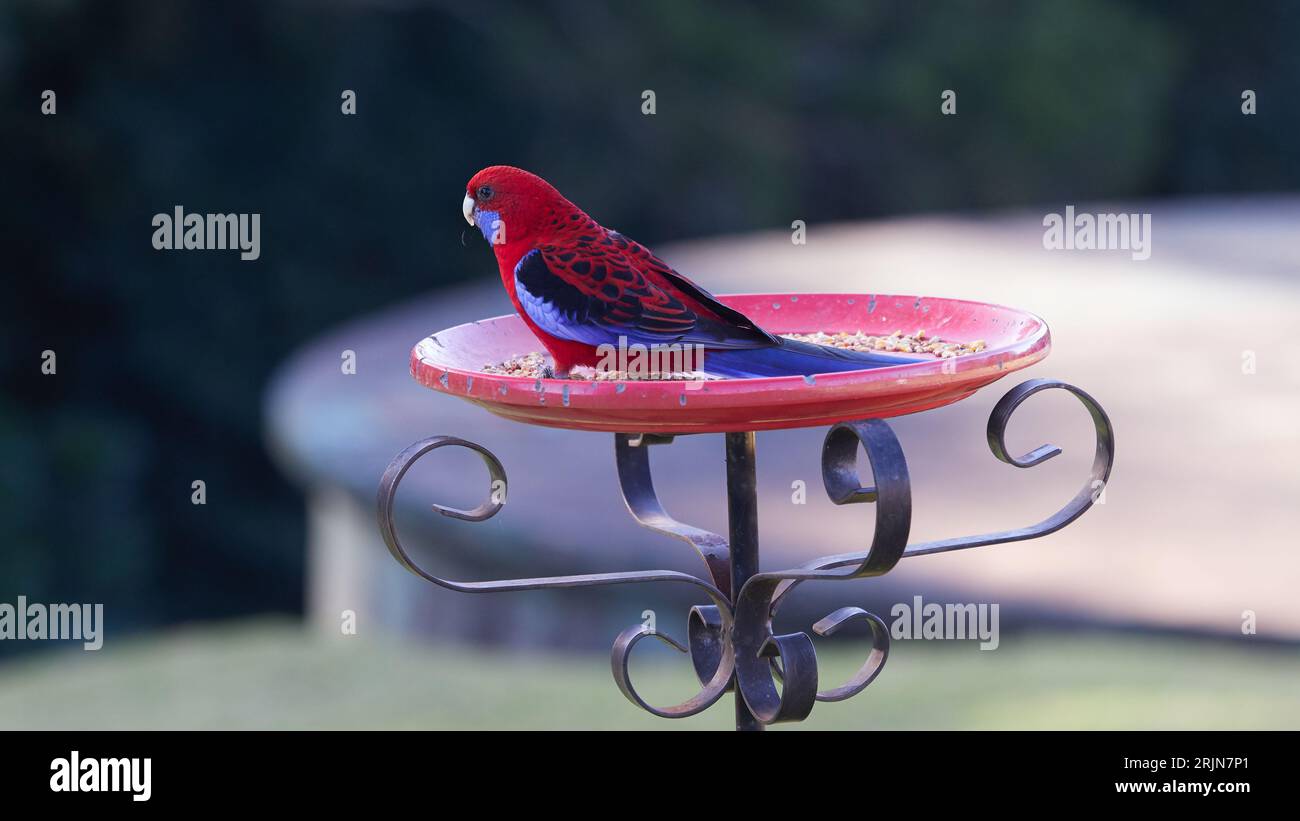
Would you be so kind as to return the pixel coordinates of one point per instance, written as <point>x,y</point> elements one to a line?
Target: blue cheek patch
<point>485,221</point>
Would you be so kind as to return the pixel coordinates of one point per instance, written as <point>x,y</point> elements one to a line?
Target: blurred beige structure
<point>1194,352</point>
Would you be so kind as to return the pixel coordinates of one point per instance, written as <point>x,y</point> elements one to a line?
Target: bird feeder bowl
<point>729,638</point>
<point>451,361</point>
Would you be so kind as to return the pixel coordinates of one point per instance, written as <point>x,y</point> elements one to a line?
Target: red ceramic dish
<point>450,362</point>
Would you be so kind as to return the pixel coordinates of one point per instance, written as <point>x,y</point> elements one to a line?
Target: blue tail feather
<point>794,358</point>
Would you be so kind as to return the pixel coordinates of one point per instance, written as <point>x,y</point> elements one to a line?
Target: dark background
<point>826,110</point>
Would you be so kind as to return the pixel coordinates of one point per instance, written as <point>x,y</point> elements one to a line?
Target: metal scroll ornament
<point>730,640</point>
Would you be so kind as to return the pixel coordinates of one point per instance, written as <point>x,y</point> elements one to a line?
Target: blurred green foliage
<point>765,113</point>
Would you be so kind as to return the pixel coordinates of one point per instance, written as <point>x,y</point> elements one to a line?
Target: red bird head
<point>515,209</point>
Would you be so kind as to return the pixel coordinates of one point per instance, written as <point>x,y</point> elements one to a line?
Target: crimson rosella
<point>579,286</point>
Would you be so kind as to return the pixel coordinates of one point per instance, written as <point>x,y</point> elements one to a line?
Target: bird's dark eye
<point>485,192</point>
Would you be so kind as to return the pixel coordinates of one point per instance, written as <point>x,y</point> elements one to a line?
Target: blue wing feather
<point>565,311</point>
<point>597,317</point>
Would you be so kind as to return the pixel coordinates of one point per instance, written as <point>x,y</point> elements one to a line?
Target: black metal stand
<point>742,530</point>
<point>730,642</point>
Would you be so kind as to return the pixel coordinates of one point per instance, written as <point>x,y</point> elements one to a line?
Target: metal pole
<point>742,524</point>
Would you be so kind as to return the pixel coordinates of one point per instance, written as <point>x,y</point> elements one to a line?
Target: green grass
<point>277,675</point>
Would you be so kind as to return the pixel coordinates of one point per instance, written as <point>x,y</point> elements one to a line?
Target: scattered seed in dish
<point>537,364</point>
<point>897,342</point>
